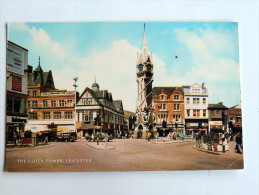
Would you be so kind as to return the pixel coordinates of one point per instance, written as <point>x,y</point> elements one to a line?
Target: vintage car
<point>67,137</point>
<point>100,137</point>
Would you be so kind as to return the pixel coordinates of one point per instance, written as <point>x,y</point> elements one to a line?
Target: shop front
<point>14,126</point>
<point>196,125</point>
<point>215,126</point>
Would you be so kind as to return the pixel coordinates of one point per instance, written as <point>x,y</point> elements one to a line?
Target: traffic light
<point>200,125</point>
<point>95,121</point>
<point>164,124</point>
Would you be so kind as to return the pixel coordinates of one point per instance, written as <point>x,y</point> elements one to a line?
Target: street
<point>126,155</point>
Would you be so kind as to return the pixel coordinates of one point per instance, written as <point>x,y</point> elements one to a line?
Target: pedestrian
<point>14,138</point>
<point>148,135</point>
<point>239,146</point>
<point>21,137</point>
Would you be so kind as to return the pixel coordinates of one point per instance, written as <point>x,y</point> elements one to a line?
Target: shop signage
<point>14,60</point>
<point>16,119</point>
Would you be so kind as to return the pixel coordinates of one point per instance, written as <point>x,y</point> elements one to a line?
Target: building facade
<point>49,108</point>
<point>168,109</point>
<point>196,108</point>
<point>52,110</point>
<point>17,92</point>
<point>144,72</point>
<point>129,123</point>
<point>97,111</point>
<point>217,117</point>
<point>235,118</point>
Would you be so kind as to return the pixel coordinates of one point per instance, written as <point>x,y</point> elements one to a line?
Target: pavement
<point>230,152</point>
<point>100,145</point>
<point>118,155</point>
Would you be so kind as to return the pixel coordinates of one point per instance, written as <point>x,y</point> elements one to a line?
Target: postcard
<point>123,96</point>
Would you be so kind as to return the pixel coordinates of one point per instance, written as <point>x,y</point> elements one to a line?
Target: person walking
<point>239,146</point>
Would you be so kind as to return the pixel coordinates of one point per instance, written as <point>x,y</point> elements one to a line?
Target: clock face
<point>140,67</point>
<point>149,67</point>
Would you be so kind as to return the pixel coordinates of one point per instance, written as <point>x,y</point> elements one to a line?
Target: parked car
<point>100,136</point>
<point>67,137</point>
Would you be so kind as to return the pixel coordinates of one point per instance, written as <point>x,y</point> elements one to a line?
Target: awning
<point>82,125</point>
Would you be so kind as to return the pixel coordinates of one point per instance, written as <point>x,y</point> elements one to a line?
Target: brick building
<point>169,107</point>
<point>49,108</point>
<point>16,86</point>
<point>235,118</point>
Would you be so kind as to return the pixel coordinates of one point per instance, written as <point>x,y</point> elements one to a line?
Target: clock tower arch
<point>144,73</point>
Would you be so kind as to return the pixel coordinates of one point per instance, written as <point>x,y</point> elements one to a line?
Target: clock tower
<point>144,70</point>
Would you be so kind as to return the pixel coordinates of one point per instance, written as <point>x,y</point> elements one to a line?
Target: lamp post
<point>75,85</point>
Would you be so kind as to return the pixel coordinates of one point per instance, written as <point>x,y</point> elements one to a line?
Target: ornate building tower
<point>144,69</point>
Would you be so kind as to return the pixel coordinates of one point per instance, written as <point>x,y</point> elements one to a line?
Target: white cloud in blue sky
<point>207,52</point>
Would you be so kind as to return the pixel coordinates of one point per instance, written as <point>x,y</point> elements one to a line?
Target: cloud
<point>114,67</point>
<point>209,52</point>
<point>211,60</point>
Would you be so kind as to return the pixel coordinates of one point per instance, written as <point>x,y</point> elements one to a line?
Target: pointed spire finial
<point>144,26</point>
<point>39,60</point>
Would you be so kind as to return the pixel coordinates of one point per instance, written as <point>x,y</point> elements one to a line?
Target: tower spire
<point>39,60</point>
<point>144,42</point>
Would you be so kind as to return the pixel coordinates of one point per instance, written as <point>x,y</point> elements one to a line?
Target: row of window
<point>163,107</point>
<point>108,117</point>
<point>51,103</point>
<point>16,105</point>
<point>86,101</point>
<point>196,101</point>
<point>196,113</point>
<point>164,117</point>
<point>52,115</point>
<point>176,97</point>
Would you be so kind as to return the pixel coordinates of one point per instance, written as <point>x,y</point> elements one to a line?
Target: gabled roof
<point>38,76</point>
<point>217,106</point>
<point>238,106</point>
<point>118,105</point>
<point>101,94</point>
<point>129,113</point>
<point>92,94</point>
<point>167,90</point>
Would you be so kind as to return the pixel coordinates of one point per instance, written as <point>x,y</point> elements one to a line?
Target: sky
<point>207,52</point>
